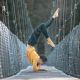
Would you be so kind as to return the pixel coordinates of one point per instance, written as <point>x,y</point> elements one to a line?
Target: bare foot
<point>56,13</point>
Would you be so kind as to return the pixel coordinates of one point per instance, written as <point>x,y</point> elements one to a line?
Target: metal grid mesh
<point>10,53</point>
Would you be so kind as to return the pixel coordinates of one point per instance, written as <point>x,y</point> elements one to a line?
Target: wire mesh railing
<point>12,53</point>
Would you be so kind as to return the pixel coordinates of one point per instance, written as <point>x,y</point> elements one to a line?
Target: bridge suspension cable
<point>63,14</point>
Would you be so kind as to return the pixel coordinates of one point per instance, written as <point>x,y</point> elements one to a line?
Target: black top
<point>41,28</point>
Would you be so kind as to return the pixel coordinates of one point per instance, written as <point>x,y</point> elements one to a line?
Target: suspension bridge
<point>15,29</point>
<point>51,74</point>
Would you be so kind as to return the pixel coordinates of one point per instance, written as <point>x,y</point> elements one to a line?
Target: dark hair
<point>43,58</point>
